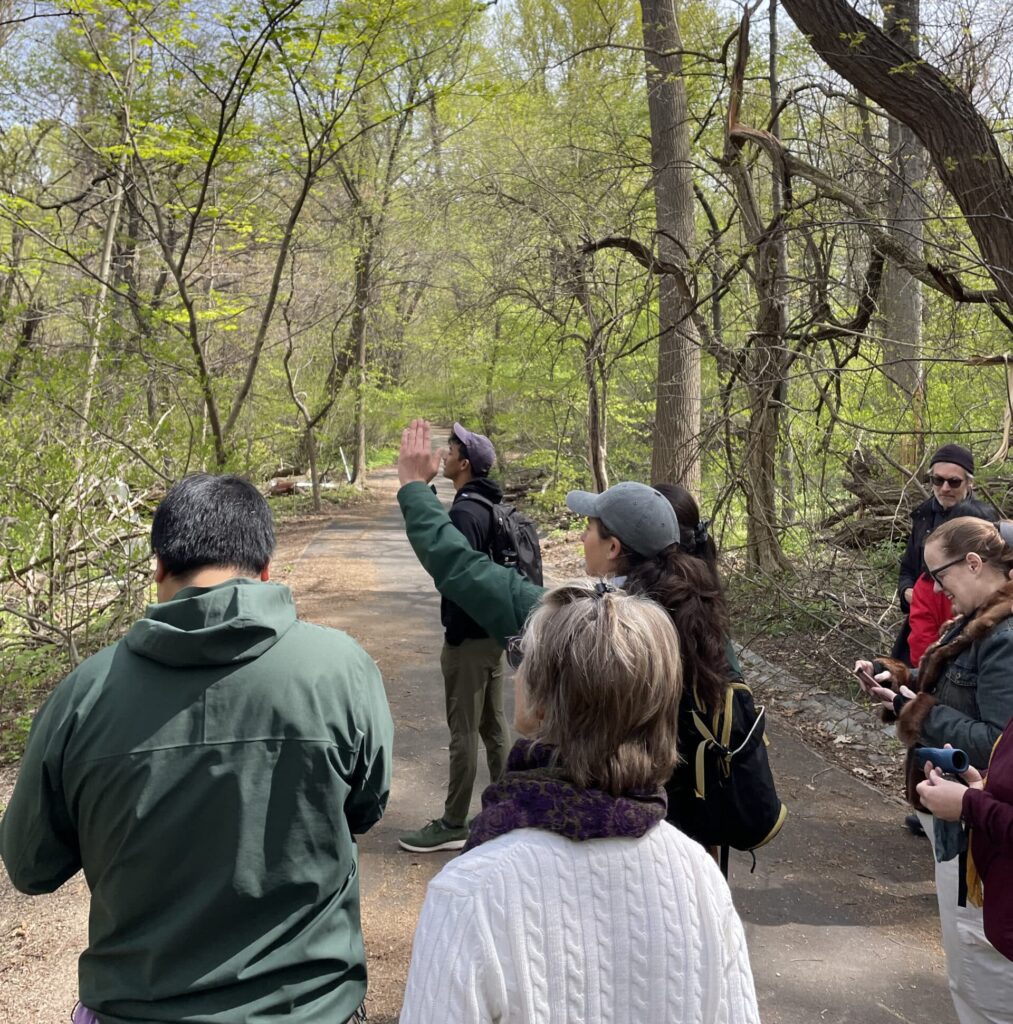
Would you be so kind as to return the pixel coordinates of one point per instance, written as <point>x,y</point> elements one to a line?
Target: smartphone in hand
<point>866,680</point>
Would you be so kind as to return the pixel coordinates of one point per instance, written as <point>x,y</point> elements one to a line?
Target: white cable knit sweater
<point>535,928</point>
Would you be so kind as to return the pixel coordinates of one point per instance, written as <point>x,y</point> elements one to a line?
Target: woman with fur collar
<point>961,694</point>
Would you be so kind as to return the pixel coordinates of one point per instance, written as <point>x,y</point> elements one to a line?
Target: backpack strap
<point>481,499</point>
<point>761,713</point>
<point>719,733</point>
<point>718,724</point>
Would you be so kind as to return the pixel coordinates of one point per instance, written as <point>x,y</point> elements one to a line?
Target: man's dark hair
<point>454,439</point>
<point>208,520</point>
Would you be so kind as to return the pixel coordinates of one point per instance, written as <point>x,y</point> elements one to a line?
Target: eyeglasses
<point>514,652</point>
<point>953,481</point>
<point>936,574</point>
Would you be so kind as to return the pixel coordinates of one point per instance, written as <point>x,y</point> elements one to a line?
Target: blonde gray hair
<point>603,670</point>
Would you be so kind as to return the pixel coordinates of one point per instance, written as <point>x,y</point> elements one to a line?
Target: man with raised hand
<point>471,661</point>
<point>208,773</point>
<point>499,598</point>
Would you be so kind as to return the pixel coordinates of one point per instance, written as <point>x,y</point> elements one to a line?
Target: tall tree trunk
<point>97,308</point>
<point>676,454</point>
<point>24,345</point>
<point>359,470</point>
<point>596,408</point>
<point>780,282</point>
<point>596,444</point>
<point>901,304</point>
<point>487,414</point>
<point>360,317</point>
<point>766,358</point>
<point>311,453</point>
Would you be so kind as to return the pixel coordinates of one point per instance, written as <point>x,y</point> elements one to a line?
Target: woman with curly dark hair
<point>709,800</point>
<point>684,584</point>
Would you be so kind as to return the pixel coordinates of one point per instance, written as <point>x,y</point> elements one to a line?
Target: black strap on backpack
<point>513,539</point>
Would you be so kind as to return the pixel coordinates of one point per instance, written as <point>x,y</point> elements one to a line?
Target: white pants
<point>981,978</point>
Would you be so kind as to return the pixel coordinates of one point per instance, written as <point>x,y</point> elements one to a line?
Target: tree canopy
<point>646,241</point>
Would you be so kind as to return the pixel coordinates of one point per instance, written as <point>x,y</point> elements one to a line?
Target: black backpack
<point>726,795</point>
<point>514,541</point>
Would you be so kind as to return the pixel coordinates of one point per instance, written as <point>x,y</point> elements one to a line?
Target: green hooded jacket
<point>499,599</point>
<point>208,772</point>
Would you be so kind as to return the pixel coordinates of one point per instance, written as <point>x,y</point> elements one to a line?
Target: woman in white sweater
<point>575,902</point>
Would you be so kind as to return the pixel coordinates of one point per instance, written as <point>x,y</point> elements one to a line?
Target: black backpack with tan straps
<point>723,794</point>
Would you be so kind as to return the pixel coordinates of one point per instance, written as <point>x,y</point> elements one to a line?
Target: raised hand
<point>416,461</point>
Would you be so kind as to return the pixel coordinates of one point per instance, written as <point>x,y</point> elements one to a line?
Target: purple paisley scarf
<point>534,792</point>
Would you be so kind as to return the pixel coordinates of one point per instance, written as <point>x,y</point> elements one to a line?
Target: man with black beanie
<point>951,474</point>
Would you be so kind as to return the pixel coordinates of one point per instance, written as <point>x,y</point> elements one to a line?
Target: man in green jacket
<point>208,773</point>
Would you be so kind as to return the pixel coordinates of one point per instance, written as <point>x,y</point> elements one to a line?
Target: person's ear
<point>160,570</point>
<point>974,561</point>
<point>614,549</point>
<point>265,573</point>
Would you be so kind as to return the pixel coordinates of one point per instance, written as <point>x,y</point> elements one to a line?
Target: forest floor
<point>840,913</point>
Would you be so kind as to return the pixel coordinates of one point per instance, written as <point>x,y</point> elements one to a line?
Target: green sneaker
<point>435,836</point>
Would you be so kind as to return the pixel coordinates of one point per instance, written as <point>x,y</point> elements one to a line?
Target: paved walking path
<point>840,913</point>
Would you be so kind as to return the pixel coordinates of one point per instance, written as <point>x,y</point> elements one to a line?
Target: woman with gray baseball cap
<point>641,516</point>
<point>633,536</point>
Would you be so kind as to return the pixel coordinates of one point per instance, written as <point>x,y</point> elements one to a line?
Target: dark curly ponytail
<point>694,532</point>
<point>689,590</point>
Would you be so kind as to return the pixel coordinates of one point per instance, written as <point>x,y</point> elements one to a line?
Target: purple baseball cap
<point>481,453</point>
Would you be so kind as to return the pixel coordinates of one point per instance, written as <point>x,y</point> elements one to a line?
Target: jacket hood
<point>482,486</point>
<point>234,621</point>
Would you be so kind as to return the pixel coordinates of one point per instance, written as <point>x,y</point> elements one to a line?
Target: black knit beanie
<point>956,454</point>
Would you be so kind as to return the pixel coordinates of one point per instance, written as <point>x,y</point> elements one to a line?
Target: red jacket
<point>989,812</point>
<point>929,610</point>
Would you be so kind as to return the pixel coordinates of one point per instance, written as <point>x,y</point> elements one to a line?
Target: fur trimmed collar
<point>958,635</point>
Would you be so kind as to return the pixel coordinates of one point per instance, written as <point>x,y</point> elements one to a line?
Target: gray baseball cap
<point>638,515</point>
<point>481,453</point>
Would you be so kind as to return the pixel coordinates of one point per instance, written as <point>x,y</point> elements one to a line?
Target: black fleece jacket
<point>474,520</point>
<point>929,516</point>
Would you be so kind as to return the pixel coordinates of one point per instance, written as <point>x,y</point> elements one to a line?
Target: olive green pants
<point>473,683</point>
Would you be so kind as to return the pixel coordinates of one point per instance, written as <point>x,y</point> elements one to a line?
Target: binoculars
<point>950,762</point>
